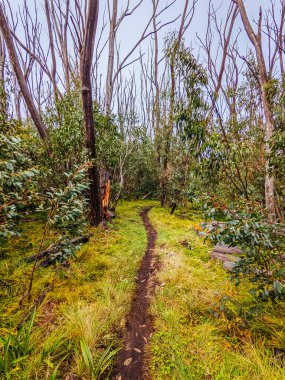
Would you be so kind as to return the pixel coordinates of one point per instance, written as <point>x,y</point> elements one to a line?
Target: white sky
<point>132,26</point>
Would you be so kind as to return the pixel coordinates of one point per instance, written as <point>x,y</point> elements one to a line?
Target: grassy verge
<point>197,338</point>
<point>85,309</point>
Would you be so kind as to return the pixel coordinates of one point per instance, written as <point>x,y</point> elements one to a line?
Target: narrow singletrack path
<point>131,363</point>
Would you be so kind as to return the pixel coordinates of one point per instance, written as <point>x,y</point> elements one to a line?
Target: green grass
<point>88,302</point>
<point>77,328</point>
<point>194,339</point>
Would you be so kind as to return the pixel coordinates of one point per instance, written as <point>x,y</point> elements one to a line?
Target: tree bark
<point>169,125</point>
<point>157,112</point>
<point>52,50</point>
<point>109,79</point>
<point>2,59</point>
<point>86,54</point>
<point>19,75</point>
<point>269,127</point>
<point>60,22</point>
<point>3,99</point>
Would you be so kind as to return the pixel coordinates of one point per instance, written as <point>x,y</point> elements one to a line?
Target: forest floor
<point>199,324</point>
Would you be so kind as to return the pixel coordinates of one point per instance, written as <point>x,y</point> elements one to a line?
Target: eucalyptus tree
<point>264,77</point>
<point>86,54</point>
<point>224,75</point>
<point>171,54</point>
<point>123,61</point>
<point>15,63</point>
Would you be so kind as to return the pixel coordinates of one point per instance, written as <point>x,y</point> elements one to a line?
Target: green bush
<point>263,247</point>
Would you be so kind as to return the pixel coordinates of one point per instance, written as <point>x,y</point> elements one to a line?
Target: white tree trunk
<point>109,79</point>
<point>269,125</point>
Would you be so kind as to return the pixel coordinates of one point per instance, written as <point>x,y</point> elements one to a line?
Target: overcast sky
<point>132,27</point>
<point>135,24</point>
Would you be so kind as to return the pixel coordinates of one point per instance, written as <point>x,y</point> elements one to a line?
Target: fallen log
<point>147,195</point>
<point>54,248</point>
<point>227,249</point>
<point>223,257</point>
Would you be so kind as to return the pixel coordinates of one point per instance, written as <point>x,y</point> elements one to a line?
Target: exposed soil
<point>131,363</point>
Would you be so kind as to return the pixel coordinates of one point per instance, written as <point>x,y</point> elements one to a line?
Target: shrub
<point>263,247</point>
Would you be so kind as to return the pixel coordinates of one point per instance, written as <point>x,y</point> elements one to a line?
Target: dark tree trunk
<point>86,54</point>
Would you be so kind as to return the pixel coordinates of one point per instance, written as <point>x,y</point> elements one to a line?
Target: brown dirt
<point>131,364</point>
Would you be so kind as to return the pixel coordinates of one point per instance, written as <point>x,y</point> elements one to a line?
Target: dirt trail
<point>131,363</point>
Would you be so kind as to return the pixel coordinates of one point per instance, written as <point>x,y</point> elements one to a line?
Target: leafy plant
<point>55,352</point>
<point>15,349</point>
<point>17,182</point>
<point>65,212</point>
<point>66,206</point>
<point>103,365</point>
<point>263,247</point>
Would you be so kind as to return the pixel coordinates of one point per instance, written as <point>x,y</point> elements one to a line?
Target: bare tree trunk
<point>281,40</point>
<point>52,50</point>
<point>19,74</point>
<point>169,129</point>
<point>269,127</point>
<point>232,15</point>
<point>2,59</point>
<point>60,20</point>
<point>64,48</point>
<point>109,79</point>
<point>3,98</point>
<point>86,54</point>
<point>169,124</point>
<point>157,115</point>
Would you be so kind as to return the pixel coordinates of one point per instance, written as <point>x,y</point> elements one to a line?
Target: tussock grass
<point>194,339</point>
